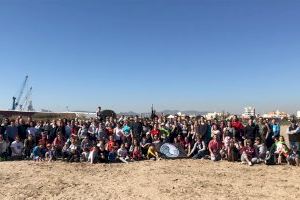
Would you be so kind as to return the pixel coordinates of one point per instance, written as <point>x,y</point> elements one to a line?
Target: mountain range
<point>170,112</point>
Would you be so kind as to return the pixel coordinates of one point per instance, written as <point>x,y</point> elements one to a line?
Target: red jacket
<point>237,125</point>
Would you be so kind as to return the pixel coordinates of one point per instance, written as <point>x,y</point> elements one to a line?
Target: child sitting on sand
<point>37,153</point>
<point>270,156</point>
<point>123,154</point>
<point>187,145</point>
<point>86,144</point>
<point>50,154</point>
<point>260,150</point>
<point>43,139</point>
<point>93,155</point>
<point>103,154</point>
<point>72,152</point>
<point>248,153</point>
<point>215,148</point>
<point>152,153</point>
<point>112,155</point>
<point>85,155</point>
<point>136,154</point>
<point>233,150</point>
<point>179,141</point>
<point>199,149</point>
<point>133,145</point>
<point>58,144</point>
<point>281,150</point>
<point>17,148</point>
<point>111,144</point>
<point>28,145</point>
<point>145,143</point>
<point>227,141</point>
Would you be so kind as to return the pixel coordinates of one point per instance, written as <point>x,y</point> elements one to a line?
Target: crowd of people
<point>128,139</point>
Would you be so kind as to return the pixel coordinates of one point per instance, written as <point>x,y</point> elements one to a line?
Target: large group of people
<point>109,139</point>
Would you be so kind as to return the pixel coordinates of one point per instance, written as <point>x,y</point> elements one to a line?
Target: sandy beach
<point>149,100</point>
<point>165,179</point>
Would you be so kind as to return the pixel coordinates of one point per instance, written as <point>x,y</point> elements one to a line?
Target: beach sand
<point>164,179</point>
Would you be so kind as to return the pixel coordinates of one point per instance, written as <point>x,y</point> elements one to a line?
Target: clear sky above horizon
<point>206,55</point>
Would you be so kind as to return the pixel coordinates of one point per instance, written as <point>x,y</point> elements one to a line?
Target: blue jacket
<point>276,130</point>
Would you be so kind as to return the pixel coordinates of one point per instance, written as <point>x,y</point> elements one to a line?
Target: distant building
<point>298,114</point>
<point>145,115</point>
<point>248,112</point>
<point>213,115</point>
<point>277,114</point>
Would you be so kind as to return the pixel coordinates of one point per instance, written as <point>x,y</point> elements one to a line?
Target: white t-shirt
<point>122,153</point>
<point>18,148</point>
<point>118,133</point>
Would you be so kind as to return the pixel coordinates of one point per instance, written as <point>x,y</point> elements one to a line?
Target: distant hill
<point>168,112</point>
<point>186,112</point>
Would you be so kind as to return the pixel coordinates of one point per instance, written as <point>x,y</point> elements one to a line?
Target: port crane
<point>26,102</point>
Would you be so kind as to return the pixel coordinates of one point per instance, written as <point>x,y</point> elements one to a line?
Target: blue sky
<point>128,54</point>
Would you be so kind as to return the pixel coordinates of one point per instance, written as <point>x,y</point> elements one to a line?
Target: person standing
<point>263,129</point>
<point>275,128</point>
<point>274,133</point>
<point>202,130</point>
<point>293,133</point>
<point>228,130</point>
<point>238,127</point>
<point>3,128</point>
<point>215,131</point>
<point>251,131</point>
<point>31,130</point>
<point>22,127</point>
<point>11,131</point>
<point>99,114</point>
<point>137,128</point>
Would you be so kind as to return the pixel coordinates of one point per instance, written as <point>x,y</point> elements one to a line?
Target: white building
<point>213,115</point>
<point>276,114</point>
<point>248,112</point>
<point>298,114</point>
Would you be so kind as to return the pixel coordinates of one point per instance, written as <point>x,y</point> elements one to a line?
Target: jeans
<point>215,157</point>
<point>199,155</point>
<point>292,144</point>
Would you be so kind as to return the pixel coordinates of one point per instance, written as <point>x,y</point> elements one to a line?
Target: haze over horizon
<point>206,55</point>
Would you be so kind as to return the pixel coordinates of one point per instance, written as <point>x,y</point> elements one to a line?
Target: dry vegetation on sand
<point>165,179</point>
